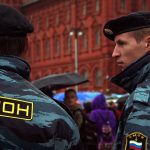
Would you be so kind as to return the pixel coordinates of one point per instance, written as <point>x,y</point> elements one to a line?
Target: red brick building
<point>52,49</point>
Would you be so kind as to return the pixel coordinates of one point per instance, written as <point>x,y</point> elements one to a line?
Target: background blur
<point>68,37</point>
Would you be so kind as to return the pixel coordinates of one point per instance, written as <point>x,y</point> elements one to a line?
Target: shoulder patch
<point>15,108</point>
<point>137,141</point>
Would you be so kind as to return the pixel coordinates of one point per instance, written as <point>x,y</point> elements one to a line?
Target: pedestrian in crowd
<point>88,133</point>
<point>87,128</point>
<point>113,107</point>
<point>131,34</point>
<point>87,108</point>
<point>105,120</point>
<point>120,105</point>
<point>71,100</point>
<point>48,91</point>
<point>28,118</point>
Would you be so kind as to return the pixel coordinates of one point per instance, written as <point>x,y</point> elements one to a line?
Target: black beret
<point>130,22</point>
<point>13,23</point>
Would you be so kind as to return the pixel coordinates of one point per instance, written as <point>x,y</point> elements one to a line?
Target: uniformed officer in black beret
<point>28,118</point>
<point>131,34</point>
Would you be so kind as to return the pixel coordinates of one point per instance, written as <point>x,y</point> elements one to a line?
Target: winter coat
<point>100,111</point>
<point>28,118</point>
<point>134,126</point>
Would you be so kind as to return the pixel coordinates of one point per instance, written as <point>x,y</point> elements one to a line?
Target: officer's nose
<point>115,52</point>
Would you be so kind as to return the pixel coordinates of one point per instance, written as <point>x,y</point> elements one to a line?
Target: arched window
<point>57,18</point>
<point>68,16</point>
<point>98,77</point>
<point>69,46</point>
<point>39,23</point>
<point>37,50</point>
<point>97,5</point>
<point>85,74</point>
<point>57,46</point>
<point>144,5</point>
<point>47,21</point>
<point>84,40</point>
<point>134,6</point>
<point>47,48</point>
<point>97,38</point>
<point>123,4</point>
<point>84,8</point>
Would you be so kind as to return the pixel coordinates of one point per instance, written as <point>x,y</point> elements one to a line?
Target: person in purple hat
<point>105,120</point>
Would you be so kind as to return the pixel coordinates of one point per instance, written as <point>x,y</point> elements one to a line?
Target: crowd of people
<point>97,120</point>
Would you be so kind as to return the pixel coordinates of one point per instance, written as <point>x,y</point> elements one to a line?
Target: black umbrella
<point>58,81</point>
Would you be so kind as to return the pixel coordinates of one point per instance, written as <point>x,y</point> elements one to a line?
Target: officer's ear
<point>147,43</point>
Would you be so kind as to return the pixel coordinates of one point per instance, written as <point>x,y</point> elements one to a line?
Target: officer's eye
<point>121,43</point>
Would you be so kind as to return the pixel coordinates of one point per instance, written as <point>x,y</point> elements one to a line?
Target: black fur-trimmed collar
<point>131,76</point>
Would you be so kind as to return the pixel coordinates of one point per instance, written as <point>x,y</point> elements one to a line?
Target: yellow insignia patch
<point>108,31</point>
<point>15,108</point>
<point>137,141</point>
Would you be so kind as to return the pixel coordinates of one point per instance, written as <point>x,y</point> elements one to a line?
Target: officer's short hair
<point>13,45</point>
<point>131,22</point>
<point>140,34</point>
<point>14,27</point>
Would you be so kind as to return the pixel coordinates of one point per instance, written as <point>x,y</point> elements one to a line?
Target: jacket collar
<point>133,74</point>
<point>15,64</point>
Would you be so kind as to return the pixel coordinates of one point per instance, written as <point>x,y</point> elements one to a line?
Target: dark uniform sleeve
<point>136,132</point>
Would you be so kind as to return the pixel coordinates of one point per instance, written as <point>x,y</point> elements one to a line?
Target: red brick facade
<point>15,3</point>
<point>52,49</point>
